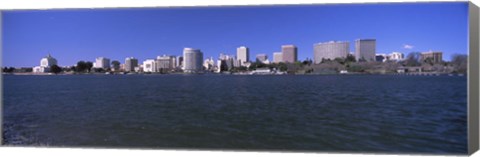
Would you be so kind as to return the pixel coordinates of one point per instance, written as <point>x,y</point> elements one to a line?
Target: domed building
<point>45,64</point>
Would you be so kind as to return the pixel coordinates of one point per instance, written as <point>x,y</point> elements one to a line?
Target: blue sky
<point>84,34</point>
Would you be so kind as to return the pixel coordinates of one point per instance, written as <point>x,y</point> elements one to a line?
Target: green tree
<point>362,59</point>
<point>350,58</point>
<point>115,65</point>
<point>55,69</point>
<point>460,63</point>
<point>89,66</point>
<point>412,59</point>
<point>282,66</point>
<point>81,66</point>
<point>340,60</point>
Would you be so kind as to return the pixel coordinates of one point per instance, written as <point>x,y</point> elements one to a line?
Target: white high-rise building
<point>330,50</point>
<point>243,54</point>
<point>149,65</point>
<point>193,59</point>
<point>102,62</point>
<point>130,64</point>
<point>277,57</point>
<point>365,49</point>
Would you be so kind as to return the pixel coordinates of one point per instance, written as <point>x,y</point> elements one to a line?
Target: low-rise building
<point>432,56</point>
<point>45,64</point>
<point>149,65</point>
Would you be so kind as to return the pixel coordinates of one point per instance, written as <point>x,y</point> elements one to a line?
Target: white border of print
<point>81,152</point>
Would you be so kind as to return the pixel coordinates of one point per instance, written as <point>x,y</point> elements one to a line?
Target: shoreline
<point>240,74</point>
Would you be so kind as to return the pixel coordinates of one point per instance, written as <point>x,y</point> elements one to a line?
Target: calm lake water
<point>341,113</point>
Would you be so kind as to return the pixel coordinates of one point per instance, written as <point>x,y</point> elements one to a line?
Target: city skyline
<point>74,35</point>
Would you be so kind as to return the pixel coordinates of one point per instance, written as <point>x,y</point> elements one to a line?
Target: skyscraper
<point>277,57</point>
<point>330,50</point>
<point>365,49</point>
<point>193,59</point>
<point>102,62</point>
<point>130,64</point>
<point>243,54</point>
<point>289,53</point>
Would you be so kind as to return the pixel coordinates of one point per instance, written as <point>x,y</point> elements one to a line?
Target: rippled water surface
<point>353,113</point>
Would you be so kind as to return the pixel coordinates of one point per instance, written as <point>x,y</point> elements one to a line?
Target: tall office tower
<point>435,57</point>
<point>193,59</point>
<point>330,50</point>
<point>277,57</point>
<point>130,64</point>
<point>289,53</point>
<point>102,62</point>
<point>365,49</point>
<point>243,54</point>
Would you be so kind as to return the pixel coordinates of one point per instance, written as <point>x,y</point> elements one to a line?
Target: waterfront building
<point>45,64</point>
<point>219,66</point>
<point>237,63</point>
<point>434,56</point>
<point>228,60</point>
<point>209,64</point>
<point>263,58</point>
<point>289,53</point>
<point>330,50</point>
<point>102,62</point>
<point>277,57</point>
<point>138,68</point>
<point>192,60</point>
<point>165,63</point>
<point>130,64</point>
<point>150,65</point>
<point>243,54</point>
<point>262,71</point>
<point>396,56</point>
<point>122,67</point>
<point>381,57</point>
<point>365,49</point>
